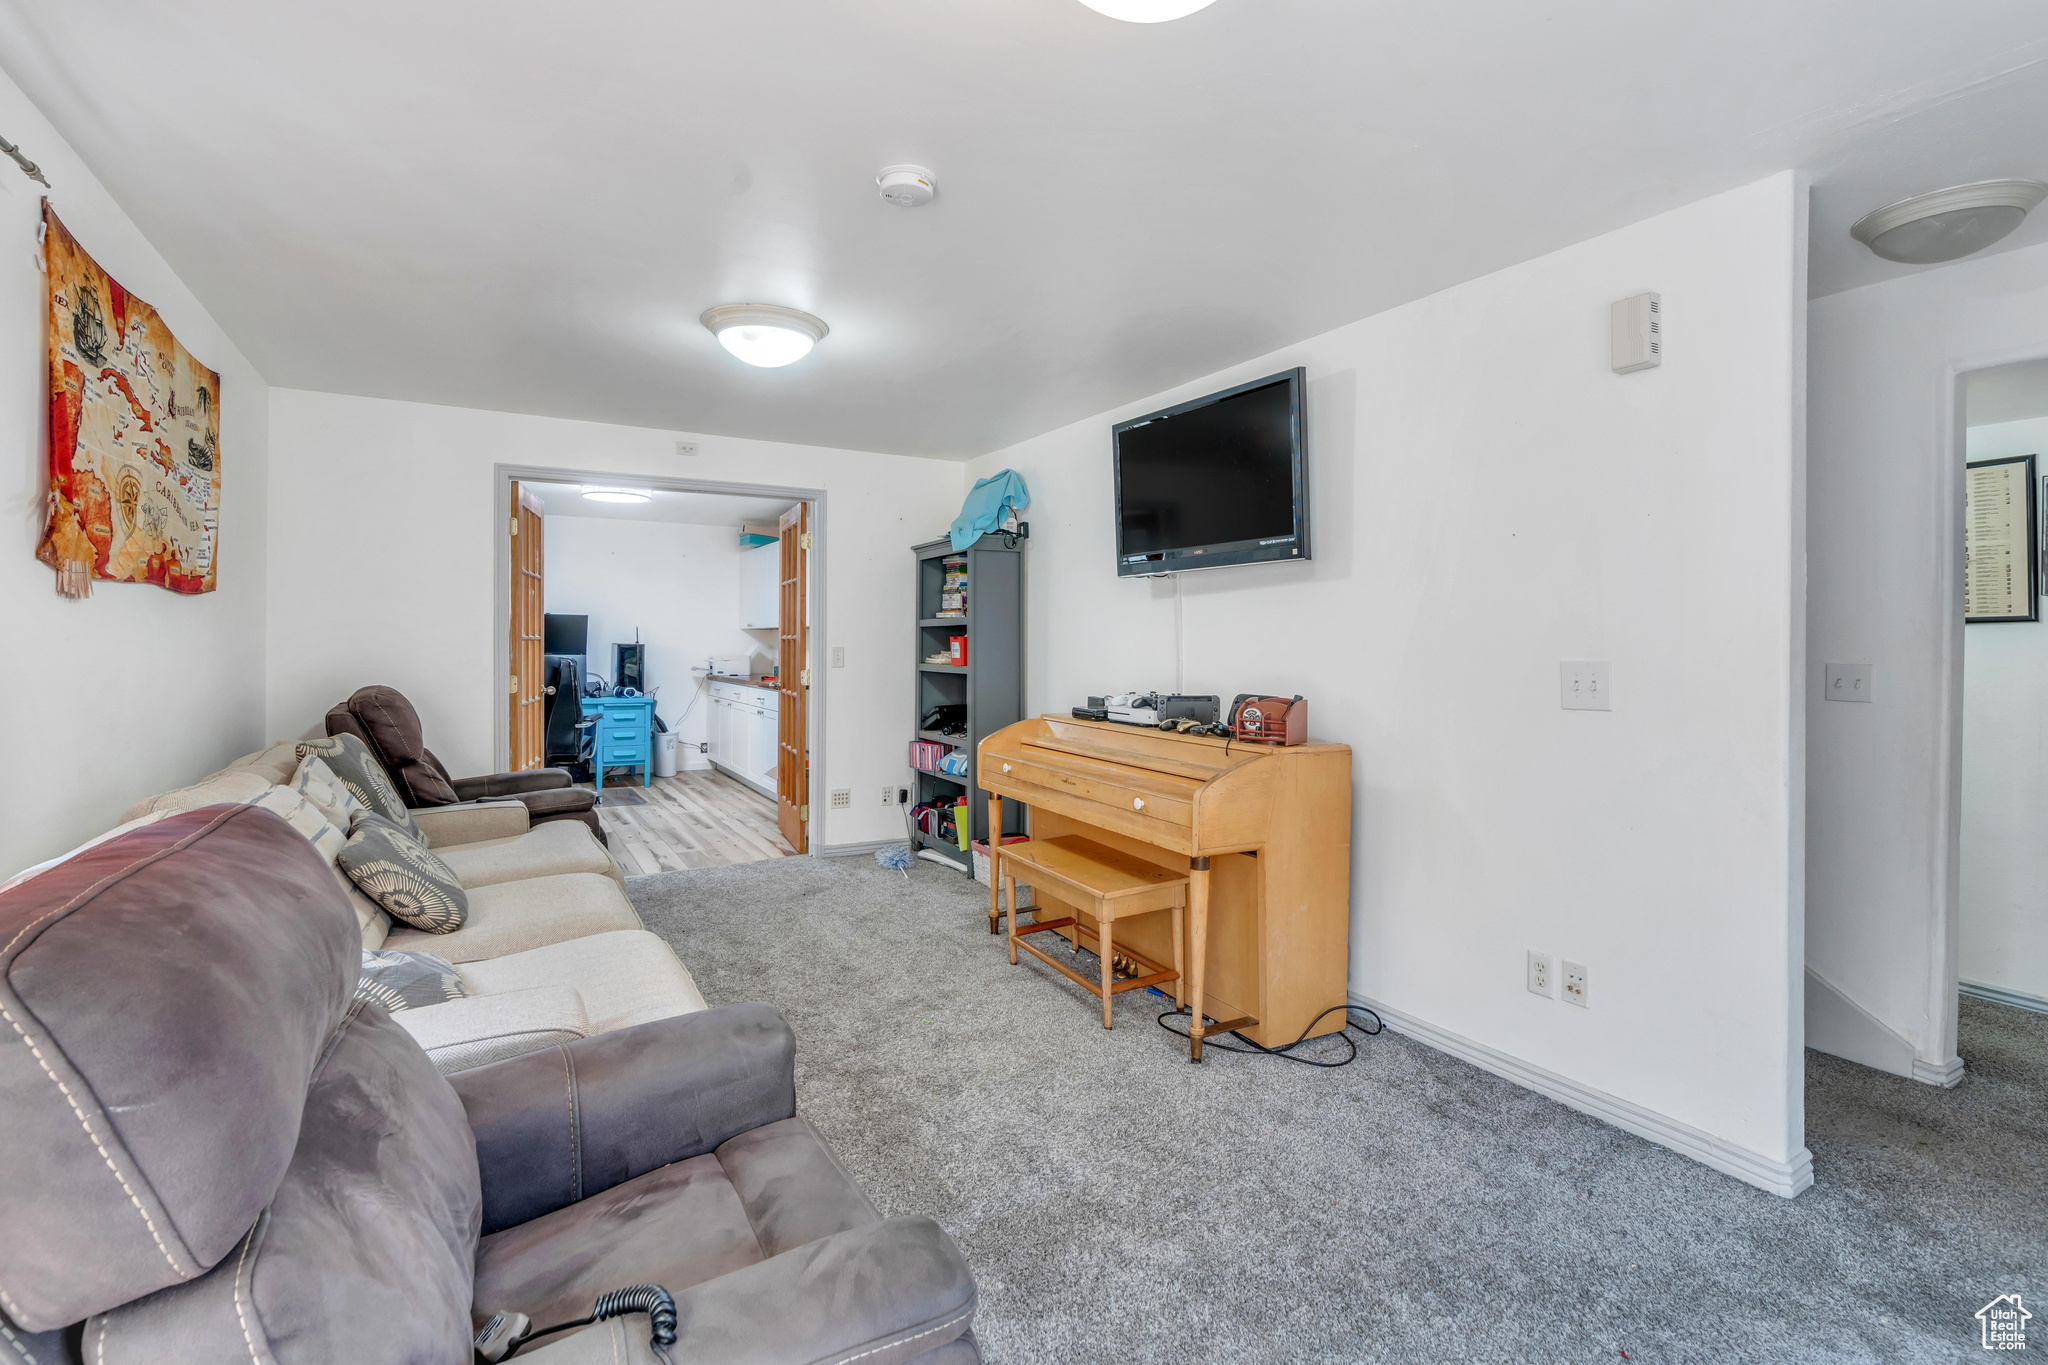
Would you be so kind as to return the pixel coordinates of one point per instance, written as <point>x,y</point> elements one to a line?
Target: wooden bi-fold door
<point>793,681</point>
<point>529,601</point>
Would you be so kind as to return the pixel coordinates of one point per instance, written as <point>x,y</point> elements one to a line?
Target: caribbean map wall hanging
<point>134,437</point>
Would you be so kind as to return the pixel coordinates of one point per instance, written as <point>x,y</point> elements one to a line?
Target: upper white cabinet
<point>761,587</point>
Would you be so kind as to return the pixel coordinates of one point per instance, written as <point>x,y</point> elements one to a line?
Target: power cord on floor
<point>1286,1050</point>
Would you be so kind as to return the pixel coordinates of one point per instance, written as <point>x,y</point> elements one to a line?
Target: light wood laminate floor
<point>695,819</point>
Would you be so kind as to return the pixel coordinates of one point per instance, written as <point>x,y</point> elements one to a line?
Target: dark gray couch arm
<point>882,1294</point>
<point>554,1127</point>
<point>510,784</point>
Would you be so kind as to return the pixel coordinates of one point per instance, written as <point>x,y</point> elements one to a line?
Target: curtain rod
<point>28,168</point>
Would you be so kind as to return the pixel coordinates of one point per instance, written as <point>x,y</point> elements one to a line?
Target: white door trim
<point>504,475</point>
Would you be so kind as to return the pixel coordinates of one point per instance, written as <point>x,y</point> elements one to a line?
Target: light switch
<point>839,656</point>
<point>1583,685</point>
<point>1848,682</point>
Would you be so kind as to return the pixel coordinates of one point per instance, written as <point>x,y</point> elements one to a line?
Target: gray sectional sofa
<point>244,1161</point>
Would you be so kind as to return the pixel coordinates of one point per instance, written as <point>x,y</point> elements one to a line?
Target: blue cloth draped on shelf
<point>985,505</point>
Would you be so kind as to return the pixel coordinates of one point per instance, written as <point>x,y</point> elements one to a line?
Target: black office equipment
<point>562,634</point>
<point>629,667</point>
<point>1217,481</point>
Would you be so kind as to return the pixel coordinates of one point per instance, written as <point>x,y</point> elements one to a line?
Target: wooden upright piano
<point>1262,832</point>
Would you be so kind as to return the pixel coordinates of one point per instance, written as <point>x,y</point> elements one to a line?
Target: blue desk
<point>625,735</point>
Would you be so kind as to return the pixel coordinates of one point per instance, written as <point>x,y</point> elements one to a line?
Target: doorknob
<point>1137,803</point>
<point>549,690</point>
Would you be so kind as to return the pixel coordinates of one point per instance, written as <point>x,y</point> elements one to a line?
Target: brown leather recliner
<point>242,1162</point>
<point>382,718</point>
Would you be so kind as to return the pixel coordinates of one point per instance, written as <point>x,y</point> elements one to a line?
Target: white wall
<point>2003,930</point>
<point>1489,499</point>
<point>1884,586</point>
<point>677,584</point>
<point>386,573</point>
<point>135,689</point>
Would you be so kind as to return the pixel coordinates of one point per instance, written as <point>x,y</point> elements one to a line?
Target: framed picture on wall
<point>2001,542</point>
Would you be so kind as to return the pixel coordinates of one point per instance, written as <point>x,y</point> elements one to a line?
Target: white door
<point>763,747</point>
<point>760,588</point>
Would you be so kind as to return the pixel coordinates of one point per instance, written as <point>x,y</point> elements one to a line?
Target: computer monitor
<point>564,634</point>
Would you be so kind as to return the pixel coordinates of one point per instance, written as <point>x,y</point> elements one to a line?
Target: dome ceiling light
<point>1147,11</point>
<point>764,334</point>
<point>1947,225</point>
<point>616,494</point>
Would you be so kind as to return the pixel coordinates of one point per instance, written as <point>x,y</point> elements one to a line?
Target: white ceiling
<point>2010,393</point>
<point>692,509</point>
<point>524,205</point>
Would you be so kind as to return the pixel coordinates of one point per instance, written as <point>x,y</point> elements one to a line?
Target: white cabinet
<point>742,733</point>
<point>761,587</point>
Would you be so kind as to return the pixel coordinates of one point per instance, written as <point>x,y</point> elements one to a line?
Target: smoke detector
<point>1947,225</point>
<point>907,187</point>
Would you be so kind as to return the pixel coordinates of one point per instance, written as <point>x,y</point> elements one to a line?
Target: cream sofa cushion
<point>484,1029</point>
<point>276,764</point>
<point>511,917</point>
<point>548,850</point>
<point>230,787</point>
<point>625,978</point>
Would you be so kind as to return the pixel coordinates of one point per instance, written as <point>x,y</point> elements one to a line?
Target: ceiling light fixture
<point>616,494</point>
<point>764,334</point>
<point>1947,225</point>
<point>1147,11</point>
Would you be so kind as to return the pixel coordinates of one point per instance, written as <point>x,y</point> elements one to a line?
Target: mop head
<point>896,857</point>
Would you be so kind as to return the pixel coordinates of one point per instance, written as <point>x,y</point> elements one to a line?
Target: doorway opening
<point>656,635</point>
<point>2000,956</point>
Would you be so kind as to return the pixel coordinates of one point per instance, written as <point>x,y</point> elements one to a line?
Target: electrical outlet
<point>704,747</point>
<point>888,796</point>
<point>1848,682</point>
<point>1539,974</point>
<point>686,447</point>
<point>842,797</point>
<point>1574,983</point>
<point>839,656</point>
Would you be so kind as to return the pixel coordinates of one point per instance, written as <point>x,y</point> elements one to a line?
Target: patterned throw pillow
<point>303,816</point>
<point>403,981</point>
<point>398,872</point>
<point>315,781</point>
<point>351,761</point>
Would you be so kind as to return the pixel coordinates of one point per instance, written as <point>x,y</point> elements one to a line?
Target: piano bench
<point>1109,884</point>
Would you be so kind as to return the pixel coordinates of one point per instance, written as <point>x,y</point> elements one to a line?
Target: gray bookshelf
<point>990,686</point>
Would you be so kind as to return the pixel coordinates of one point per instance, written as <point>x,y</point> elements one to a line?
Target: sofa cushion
<point>402,875</point>
<point>143,1140</point>
<point>483,1029</point>
<point>758,1195</point>
<point>626,977</point>
<point>366,1252</point>
<point>360,772</point>
<point>543,851</point>
<point>511,917</point>
<point>276,763</point>
<point>231,787</point>
<point>317,782</point>
<point>403,981</point>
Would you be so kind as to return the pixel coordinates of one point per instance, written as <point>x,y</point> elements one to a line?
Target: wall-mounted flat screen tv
<point>1213,482</point>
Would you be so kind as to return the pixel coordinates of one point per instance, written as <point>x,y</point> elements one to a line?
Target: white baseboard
<point>1999,995</point>
<point>1838,1026</point>
<point>869,848</point>
<point>1947,1075</point>
<point>1783,1178</point>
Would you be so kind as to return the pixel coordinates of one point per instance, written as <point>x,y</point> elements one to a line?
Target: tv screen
<point>1214,482</point>
<point>562,634</point>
